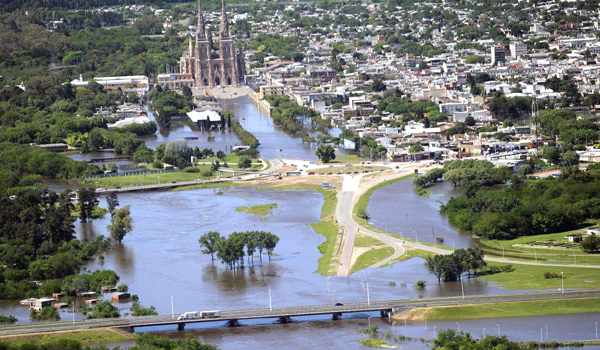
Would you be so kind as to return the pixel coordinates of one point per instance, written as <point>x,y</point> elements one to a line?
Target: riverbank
<point>85,337</point>
<point>500,310</point>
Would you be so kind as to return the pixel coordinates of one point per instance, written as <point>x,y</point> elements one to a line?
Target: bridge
<point>284,314</point>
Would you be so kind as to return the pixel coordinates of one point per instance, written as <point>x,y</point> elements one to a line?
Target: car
<point>173,182</point>
<point>118,187</point>
<point>339,304</point>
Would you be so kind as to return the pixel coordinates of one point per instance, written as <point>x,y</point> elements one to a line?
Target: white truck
<point>190,315</point>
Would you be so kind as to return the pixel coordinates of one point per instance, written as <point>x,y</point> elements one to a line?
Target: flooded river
<point>161,258</point>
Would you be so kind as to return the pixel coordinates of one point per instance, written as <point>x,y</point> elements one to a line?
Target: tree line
<point>232,249</point>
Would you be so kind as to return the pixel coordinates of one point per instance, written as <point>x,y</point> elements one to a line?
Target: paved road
<point>294,311</point>
<point>349,195</point>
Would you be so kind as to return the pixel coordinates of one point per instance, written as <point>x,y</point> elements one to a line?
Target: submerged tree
<point>209,242</point>
<point>120,224</point>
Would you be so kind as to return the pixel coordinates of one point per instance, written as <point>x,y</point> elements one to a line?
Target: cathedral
<point>210,66</point>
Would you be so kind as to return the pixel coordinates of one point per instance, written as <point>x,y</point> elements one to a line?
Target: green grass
<point>88,337</point>
<point>371,257</point>
<point>327,248</point>
<point>565,256</point>
<point>367,241</point>
<point>515,309</point>
<point>97,212</point>
<point>376,343</point>
<point>258,210</point>
<point>345,159</point>
<point>147,179</point>
<point>532,277</point>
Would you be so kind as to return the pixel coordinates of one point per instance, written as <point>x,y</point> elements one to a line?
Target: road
<point>353,188</point>
<point>293,311</point>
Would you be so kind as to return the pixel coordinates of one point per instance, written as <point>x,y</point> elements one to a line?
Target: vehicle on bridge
<point>191,315</point>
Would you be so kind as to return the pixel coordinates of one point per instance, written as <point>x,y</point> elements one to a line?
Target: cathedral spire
<point>224,25</point>
<point>201,26</point>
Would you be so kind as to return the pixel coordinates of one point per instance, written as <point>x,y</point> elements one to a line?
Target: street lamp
<point>458,326</point>
<point>368,295</point>
<point>462,288</point>
<point>172,308</point>
<point>562,282</point>
<point>434,327</point>
<point>270,302</point>
<point>596,329</point>
<point>452,244</point>
<point>546,332</point>
<point>394,329</point>
<point>369,319</point>
<point>497,325</point>
<point>483,333</point>
<point>332,297</point>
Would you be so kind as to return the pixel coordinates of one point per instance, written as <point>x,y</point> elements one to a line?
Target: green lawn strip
<point>88,337</point>
<point>377,343</point>
<point>344,159</point>
<point>515,309</point>
<point>371,257</point>
<point>258,210</point>
<point>367,241</point>
<point>328,247</point>
<point>97,212</point>
<point>532,277</point>
<point>409,254</point>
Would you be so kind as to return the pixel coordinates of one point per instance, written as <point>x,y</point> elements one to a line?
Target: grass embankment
<point>258,210</point>
<point>326,227</point>
<point>532,277</point>
<point>97,212</point>
<point>85,337</point>
<point>367,241</point>
<point>371,257</point>
<point>344,159</point>
<point>552,248</point>
<point>180,176</point>
<point>377,343</point>
<point>509,309</point>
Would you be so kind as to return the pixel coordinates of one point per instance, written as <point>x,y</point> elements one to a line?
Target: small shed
<point>41,303</point>
<point>92,301</point>
<point>574,238</point>
<point>57,295</point>
<point>120,297</point>
<point>109,289</point>
<point>88,294</point>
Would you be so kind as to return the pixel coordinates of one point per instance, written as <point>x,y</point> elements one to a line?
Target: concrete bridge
<point>285,314</point>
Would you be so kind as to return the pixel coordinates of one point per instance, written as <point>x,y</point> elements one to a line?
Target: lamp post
<point>368,295</point>
<point>452,244</point>
<point>369,319</point>
<point>562,282</point>
<point>546,331</point>
<point>332,297</point>
<point>74,319</point>
<point>270,301</point>
<point>541,335</point>
<point>434,327</point>
<point>394,329</point>
<point>596,329</point>
<point>497,325</point>
<point>483,334</point>
<point>462,288</point>
<point>172,308</point>
<point>458,326</point>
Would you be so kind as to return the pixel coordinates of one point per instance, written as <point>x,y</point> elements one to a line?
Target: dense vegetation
<point>37,242</point>
<point>529,208</point>
<point>244,135</point>
<point>167,104</point>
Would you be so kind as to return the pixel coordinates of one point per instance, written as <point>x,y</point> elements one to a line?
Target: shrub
<point>548,275</point>
<point>362,214</point>
<point>46,313</point>
<point>191,169</point>
<point>420,284</point>
<point>103,309</point>
<point>122,288</point>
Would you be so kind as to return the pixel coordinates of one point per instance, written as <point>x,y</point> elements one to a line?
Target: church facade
<point>209,65</point>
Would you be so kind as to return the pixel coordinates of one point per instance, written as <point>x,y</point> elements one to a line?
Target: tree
<point>434,266</point>
<point>112,201</point>
<point>221,155</point>
<point>591,244</point>
<point>87,201</point>
<point>325,153</point>
<point>215,166</point>
<point>209,241</point>
<point>378,85</point>
<point>570,158</point>
<point>120,224</point>
<point>470,121</point>
<point>552,154</point>
<point>270,244</point>
<point>244,162</point>
<point>416,147</point>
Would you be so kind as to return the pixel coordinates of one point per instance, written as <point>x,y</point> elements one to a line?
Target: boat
<point>190,138</point>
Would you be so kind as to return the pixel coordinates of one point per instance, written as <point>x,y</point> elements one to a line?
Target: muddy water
<point>402,211</point>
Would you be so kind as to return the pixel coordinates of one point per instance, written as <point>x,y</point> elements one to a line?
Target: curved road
<point>352,188</point>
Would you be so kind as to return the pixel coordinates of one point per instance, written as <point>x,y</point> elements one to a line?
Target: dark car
<point>339,304</point>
